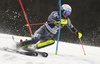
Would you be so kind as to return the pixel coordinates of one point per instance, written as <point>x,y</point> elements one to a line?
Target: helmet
<point>66,7</point>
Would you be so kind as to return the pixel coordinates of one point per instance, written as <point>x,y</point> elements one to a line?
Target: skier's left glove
<point>79,34</point>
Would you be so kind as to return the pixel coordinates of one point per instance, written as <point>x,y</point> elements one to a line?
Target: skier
<point>44,35</point>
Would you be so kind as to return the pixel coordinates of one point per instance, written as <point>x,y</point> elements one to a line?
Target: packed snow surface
<point>67,53</point>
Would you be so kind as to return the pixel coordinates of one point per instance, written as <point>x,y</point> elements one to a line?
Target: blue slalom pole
<point>59,27</point>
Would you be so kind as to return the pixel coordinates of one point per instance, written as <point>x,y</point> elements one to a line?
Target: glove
<point>63,21</point>
<point>79,34</point>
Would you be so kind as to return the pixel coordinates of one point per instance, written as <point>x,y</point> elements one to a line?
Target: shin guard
<point>44,44</point>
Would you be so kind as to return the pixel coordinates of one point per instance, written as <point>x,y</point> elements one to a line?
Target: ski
<point>28,53</point>
<point>44,54</point>
<point>14,39</point>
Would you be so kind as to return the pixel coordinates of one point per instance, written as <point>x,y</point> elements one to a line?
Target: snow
<point>67,53</point>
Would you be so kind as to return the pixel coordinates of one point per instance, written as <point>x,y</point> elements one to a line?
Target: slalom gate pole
<point>82,46</point>
<point>59,28</point>
<point>25,17</point>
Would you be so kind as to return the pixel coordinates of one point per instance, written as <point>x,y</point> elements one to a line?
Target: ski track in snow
<point>67,53</point>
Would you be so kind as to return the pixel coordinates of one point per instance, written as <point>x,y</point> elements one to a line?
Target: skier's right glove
<point>63,21</point>
<point>79,34</point>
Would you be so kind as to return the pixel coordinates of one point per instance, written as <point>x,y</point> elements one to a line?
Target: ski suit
<point>44,35</point>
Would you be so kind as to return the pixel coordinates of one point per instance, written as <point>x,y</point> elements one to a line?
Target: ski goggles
<point>67,12</point>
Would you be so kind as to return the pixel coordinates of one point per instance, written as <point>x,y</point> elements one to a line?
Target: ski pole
<point>40,23</point>
<point>82,46</point>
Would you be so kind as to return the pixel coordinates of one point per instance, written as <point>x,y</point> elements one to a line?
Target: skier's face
<point>64,15</point>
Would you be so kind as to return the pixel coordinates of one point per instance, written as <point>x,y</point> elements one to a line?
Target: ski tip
<point>45,55</point>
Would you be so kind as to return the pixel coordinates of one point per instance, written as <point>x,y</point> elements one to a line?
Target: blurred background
<point>85,17</point>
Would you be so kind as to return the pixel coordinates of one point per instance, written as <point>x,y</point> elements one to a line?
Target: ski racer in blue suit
<point>44,35</point>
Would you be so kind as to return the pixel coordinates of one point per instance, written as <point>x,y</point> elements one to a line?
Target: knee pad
<point>46,43</point>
